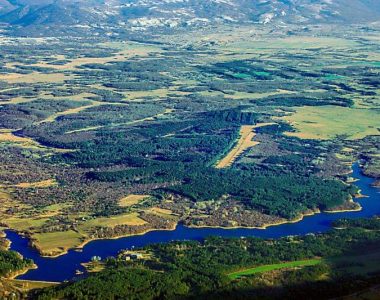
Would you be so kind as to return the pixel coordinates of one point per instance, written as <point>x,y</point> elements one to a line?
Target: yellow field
<point>131,200</point>
<point>31,220</point>
<point>327,122</point>
<point>35,77</point>
<point>40,184</point>
<point>160,211</point>
<point>10,137</point>
<point>245,142</point>
<point>17,100</point>
<point>132,219</point>
<point>47,96</point>
<point>24,224</point>
<point>126,51</point>
<point>147,119</point>
<point>7,136</point>
<point>56,242</point>
<point>70,111</point>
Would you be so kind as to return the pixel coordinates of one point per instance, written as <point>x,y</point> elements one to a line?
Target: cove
<point>64,267</point>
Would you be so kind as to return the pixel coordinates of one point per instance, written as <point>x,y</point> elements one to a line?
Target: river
<point>64,267</point>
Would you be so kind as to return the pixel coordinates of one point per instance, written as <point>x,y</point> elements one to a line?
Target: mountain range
<point>147,14</point>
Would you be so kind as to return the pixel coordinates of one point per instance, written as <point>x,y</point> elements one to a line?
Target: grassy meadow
<point>268,268</point>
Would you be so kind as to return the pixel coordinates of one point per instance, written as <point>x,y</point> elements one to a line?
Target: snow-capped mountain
<point>145,14</point>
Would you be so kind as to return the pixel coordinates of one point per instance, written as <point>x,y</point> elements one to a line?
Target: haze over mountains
<point>145,14</point>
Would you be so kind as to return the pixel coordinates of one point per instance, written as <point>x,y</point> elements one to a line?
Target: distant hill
<point>147,14</point>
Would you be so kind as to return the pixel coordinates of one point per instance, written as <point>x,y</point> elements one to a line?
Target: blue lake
<point>64,267</point>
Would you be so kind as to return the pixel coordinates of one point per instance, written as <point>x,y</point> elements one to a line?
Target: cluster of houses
<point>131,256</point>
<point>96,258</point>
<point>126,255</point>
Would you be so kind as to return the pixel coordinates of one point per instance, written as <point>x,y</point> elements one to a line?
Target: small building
<point>127,258</point>
<point>136,256</point>
<point>131,256</point>
<point>96,258</point>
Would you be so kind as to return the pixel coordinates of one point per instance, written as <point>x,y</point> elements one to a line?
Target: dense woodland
<point>184,163</point>
<point>197,270</point>
<point>96,121</point>
<point>11,262</point>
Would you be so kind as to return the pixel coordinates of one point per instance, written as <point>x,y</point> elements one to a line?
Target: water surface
<point>64,267</point>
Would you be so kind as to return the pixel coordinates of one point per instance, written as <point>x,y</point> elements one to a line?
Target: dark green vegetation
<point>25,114</point>
<point>85,123</point>
<point>115,107</point>
<point>194,270</point>
<point>198,179</point>
<point>11,262</point>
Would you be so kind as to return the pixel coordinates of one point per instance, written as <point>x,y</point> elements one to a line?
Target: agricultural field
<point>127,219</point>
<point>131,200</point>
<point>216,149</point>
<point>328,122</point>
<point>103,138</point>
<point>54,243</point>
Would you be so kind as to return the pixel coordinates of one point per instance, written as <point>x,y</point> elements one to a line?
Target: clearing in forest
<point>123,51</point>
<point>8,137</point>
<point>131,219</point>
<point>160,211</point>
<point>71,111</point>
<point>267,268</point>
<point>131,200</point>
<point>35,77</point>
<point>40,184</point>
<point>247,133</point>
<point>147,119</point>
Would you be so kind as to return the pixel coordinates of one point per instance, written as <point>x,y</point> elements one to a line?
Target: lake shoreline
<point>297,219</point>
<point>18,273</point>
<point>263,227</point>
<point>65,267</point>
<point>290,221</point>
<point>80,247</point>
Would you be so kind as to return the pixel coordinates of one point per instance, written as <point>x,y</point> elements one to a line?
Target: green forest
<point>12,262</point>
<point>199,270</point>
